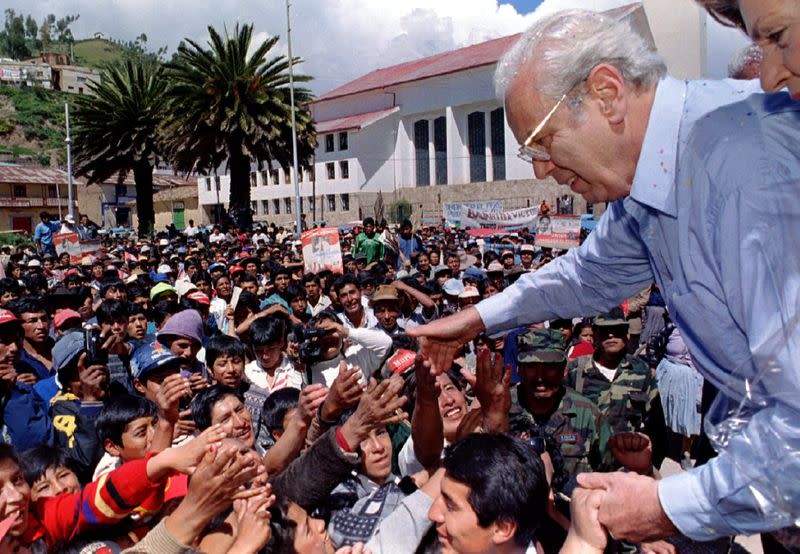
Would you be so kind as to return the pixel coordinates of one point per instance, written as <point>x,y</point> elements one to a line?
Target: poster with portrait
<point>321,250</point>
<point>558,231</point>
<point>69,243</point>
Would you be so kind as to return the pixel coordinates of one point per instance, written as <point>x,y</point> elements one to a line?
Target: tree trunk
<point>239,165</point>
<point>143,176</point>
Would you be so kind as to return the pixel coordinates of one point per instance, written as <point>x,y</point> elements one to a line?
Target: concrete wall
<point>679,30</point>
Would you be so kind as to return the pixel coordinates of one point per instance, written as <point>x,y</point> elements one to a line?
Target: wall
<point>679,30</point>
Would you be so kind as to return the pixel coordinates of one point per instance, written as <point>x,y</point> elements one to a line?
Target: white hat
<point>164,268</point>
<point>69,219</point>
<point>184,286</point>
<point>144,248</point>
<point>494,267</point>
<point>526,248</point>
<point>163,242</point>
<point>469,292</point>
<point>34,263</point>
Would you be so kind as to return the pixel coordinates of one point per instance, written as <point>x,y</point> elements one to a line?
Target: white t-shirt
<point>286,376</point>
<point>367,350</point>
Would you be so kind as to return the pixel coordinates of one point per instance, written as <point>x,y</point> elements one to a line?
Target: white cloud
<point>338,39</point>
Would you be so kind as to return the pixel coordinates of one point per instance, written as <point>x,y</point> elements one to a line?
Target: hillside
<point>92,52</point>
<point>32,126</point>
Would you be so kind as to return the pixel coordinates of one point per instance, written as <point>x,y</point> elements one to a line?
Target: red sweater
<point>106,501</point>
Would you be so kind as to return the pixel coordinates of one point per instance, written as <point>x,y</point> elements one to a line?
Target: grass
<point>39,116</point>
<point>97,52</point>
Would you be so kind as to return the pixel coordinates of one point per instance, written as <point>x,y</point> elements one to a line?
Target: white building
<point>416,127</point>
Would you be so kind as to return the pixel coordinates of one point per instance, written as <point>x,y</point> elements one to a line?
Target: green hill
<point>32,125</point>
<point>92,52</point>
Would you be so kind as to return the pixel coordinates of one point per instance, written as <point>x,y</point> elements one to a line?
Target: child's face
<point>228,370</point>
<point>299,304</point>
<point>137,438</point>
<point>56,480</point>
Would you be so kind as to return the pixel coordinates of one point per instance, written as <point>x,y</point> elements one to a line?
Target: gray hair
<point>566,46</point>
<point>746,63</point>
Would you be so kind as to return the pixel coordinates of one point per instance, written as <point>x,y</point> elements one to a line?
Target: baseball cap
<point>526,248</point>
<point>453,287</point>
<point>161,288</point>
<point>385,293</point>
<point>469,292</point>
<point>34,263</point>
<point>495,267</point>
<point>474,273</point>
<point>66,350</point>
<point>614,318</point>
<point>7,316</point>
<point>541,345</point>
<point>199,296</point>
<point>152,357</point>
<point>63,316</point>
<point>164,268</point>
<point>163,242</point>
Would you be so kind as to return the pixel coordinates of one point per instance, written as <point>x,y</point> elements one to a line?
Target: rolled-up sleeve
<point>610,266</point>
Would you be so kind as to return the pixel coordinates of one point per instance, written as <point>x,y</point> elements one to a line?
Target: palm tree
<point>116,129</point>
<point>226,106</point>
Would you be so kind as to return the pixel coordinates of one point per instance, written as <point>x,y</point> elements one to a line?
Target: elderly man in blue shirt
<point>702,184</point>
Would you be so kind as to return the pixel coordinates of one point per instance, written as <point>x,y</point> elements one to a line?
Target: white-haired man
<point>702,185</point>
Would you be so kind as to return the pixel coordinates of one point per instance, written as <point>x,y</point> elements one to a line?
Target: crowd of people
<point>205,391</point>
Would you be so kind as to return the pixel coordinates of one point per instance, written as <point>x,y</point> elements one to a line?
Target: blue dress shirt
<point>714,218</point>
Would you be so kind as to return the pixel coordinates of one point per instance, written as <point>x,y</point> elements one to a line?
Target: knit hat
<point>186,324</point>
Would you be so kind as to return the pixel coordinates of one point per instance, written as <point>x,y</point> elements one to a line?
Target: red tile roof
<point>355,122</point>
<point>477,55</point>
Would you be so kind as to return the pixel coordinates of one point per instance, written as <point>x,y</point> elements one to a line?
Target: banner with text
<point>321,250</point>
<point>514,218</point>
<point>559,231</point>
<point>455,212</point>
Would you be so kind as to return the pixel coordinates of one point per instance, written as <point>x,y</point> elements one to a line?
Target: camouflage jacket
<point>625,401</point>
<point>576,424</point>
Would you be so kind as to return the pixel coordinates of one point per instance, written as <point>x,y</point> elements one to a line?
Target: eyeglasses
<point>530,153</point>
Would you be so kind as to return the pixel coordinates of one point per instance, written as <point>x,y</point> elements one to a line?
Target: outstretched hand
<point>586,533</point>
<point>634,451</point>
<point>440,340</point>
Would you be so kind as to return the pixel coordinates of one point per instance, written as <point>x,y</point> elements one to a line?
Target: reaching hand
<point>634,451</point>
<point>426,383</point>
<point>27,378</point>
<point>357,548</point>
<point>311,398</point>
<point>492,389</point>
<point>379,406</point>
<point>173,389</point>
<point>346,391</point>
<point>586,534</point>
<point>252,522</point>
<point>630,508</point>
<point>94,380</point>
<point>441,339</point>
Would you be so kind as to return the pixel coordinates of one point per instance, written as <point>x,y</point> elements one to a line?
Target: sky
<point>338,39</point>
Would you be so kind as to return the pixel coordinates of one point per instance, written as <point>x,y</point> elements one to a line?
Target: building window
<point>564,205</point>
<point>276,206</point>
<point>276,178</point>
<point>312,173</point>
<point>344,169</point>
<point>253,180</point>
<point>254,206</point>
<point>498,144</point>
<point>287,202</point>
<point>81,79</point>
<point>208,184</point>
<point>476,133</point>
<point>51,191</point>
<point>329,143</point>
<point>121,190</point>
<point>300,174</point>
<point>440,147</point>
<point>20,191</point>
<point>423,163</point>
<point>345,200</point>
<point>265,207</point>
<point>264,178</point>
<point>216,182</point>
<point>343,141</point>
<point>331,169</point>
<point>331,202</point>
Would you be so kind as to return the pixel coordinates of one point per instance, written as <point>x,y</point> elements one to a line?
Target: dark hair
<point>201,275</point>
<point>224,345</point>
<point>118,413</point>
<point>293,292</point>
<point>281,270</point>
<point>276,405</point>
<point>283,529</point>
<point>164,309</point>
<point>26,305</point>
<point>205,400</point>
<point>344,280</point>
<point>248,278</point>
<point>36,461</point>
<point>269,330</point>
<point>726,12</point>
<point>136,309</point>
<point>112,283</point>
<point>311,277</point>
<point>110,311</point>
<point>249,301</point>
<point>135,291</point>
<point>7,284</point>
<point>368,221</point>
<point>506,481</point>
<point>192,304</point>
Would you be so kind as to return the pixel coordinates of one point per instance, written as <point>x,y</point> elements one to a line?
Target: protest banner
<point>321,250</point>
<point>514,218</point>
<point>455,212</point>
<point>559,231</point>
<point>72,245</point>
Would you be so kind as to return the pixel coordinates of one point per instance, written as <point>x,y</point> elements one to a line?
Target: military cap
<point>542,345</point>
<point>614,318</point>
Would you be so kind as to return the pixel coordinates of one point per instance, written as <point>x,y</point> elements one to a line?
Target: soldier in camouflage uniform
<point>543,405</point>
<point>622,386</point>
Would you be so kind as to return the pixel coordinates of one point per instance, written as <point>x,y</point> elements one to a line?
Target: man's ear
<point>111,448</point>
<point>606,85</point>
<point>139,386</point>
<point>503,531</point>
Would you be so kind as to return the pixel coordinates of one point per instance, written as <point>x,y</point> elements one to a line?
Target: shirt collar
<point>654,181</point>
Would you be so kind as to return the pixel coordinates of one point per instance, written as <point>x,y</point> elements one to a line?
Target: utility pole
<point>71,207</point>
<point>297,202</point>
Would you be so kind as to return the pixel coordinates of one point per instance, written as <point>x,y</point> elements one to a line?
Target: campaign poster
<point>69,243</point>
<point>321,250</point>
<point>558,231</point>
